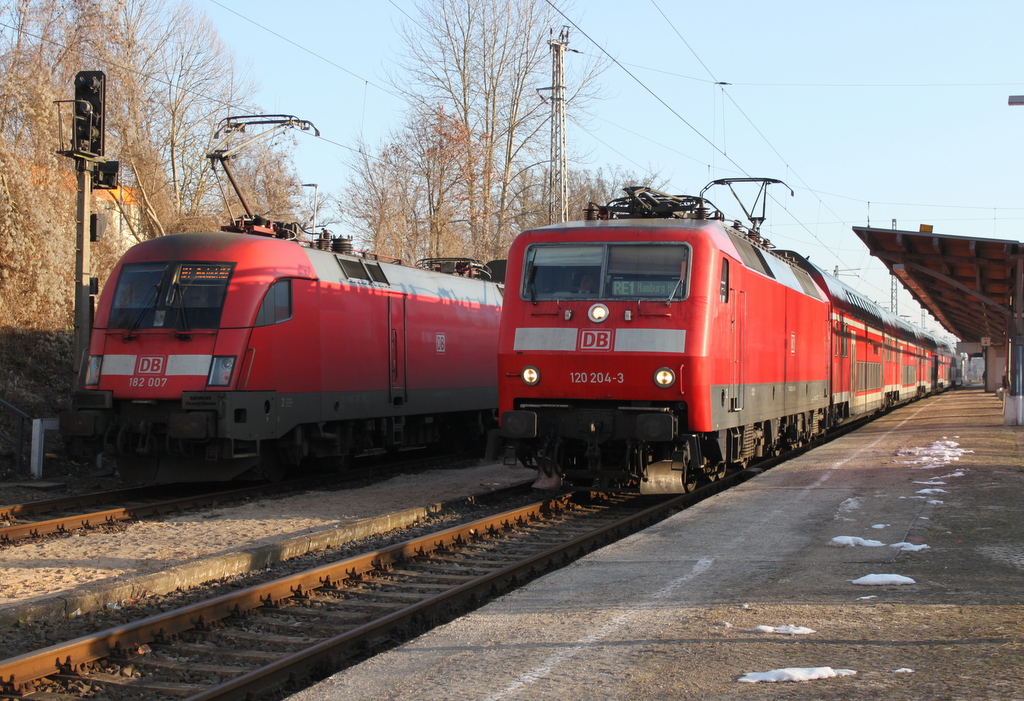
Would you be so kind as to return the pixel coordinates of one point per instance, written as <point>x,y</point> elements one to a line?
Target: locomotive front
<point>171,333</point>
<point>600,360</point>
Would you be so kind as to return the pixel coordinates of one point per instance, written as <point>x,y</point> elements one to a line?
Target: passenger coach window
<point>613,271</point>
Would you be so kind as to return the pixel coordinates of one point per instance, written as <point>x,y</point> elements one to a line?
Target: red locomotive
<point>219,354</point>
<point>655,345</point>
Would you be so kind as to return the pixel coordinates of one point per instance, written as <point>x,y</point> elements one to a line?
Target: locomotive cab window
<point>170,295</point>
<point>614,271</point>
<point>656,271</point>
<point>723,286</point>
<point>277,305</point>
<point>558,272</point>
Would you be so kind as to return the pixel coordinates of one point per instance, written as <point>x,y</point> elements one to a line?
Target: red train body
<point>695,348</point>
<point>219,354</point>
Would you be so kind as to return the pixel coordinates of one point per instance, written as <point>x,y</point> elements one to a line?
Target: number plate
<point>596,378</point>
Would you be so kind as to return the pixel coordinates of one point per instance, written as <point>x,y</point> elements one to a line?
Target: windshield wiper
<point>531,287</point>
<point>184,332</point>
<point>143,308</point>
<point>672,294</point>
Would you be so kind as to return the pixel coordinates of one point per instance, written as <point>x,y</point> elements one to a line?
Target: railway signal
<point>88,127</point>
<point>90,98</point>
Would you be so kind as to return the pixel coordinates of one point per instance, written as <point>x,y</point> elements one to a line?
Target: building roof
<point>965,282</point>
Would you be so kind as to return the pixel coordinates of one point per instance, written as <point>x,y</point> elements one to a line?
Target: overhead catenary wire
<point>832,249</point>
<point>653,94</point>
<point>369,83</point>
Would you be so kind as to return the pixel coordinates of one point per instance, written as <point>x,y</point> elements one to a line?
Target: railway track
<point>271,638</point>
<point>58,516</point>
<point>40,518</point>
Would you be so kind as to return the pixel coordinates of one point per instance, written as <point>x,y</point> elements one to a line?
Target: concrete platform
<point>673,612</point>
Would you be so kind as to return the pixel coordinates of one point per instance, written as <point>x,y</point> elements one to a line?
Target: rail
<point>19,443</point>
<point>348,607</point>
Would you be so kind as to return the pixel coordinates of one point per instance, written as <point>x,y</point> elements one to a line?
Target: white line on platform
<point>567,653</point>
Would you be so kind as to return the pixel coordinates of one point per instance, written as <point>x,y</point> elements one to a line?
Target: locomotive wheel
<point>548,474</point>
<point>271,466</point>
<point>714,472</point>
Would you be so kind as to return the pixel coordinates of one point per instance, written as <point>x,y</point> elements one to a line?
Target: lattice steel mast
<point>558,187</point>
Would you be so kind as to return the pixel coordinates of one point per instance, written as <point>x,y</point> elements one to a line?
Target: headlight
<point>664,377</point>
<point>221,369</point>
<point>598,313</point>
<point>92,373</point>
<point>530,375</point>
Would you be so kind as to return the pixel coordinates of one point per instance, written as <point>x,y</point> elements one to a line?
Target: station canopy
<point>966,283</point>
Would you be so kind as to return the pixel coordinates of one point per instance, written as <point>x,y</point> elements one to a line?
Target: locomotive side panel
<point>748,352</point>
<point>776,347</point>
<point>451,344</point>
<point>354,360</point>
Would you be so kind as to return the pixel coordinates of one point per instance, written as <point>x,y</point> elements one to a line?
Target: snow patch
<point>849,541</point>
<point>850,504</point>
<point>882,579</point>
<point>933,455</point>
<point>910,547</point>
<point>784,630</point>
<point>795,674</point>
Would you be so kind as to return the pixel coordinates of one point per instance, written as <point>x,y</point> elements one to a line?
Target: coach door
<point>397,353</point>
<point>855,401</point>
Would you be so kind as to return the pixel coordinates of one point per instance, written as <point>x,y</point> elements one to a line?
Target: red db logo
<point>596,340</point>
<point>151,365</point>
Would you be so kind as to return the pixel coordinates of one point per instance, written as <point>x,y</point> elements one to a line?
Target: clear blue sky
<point>871,111</point>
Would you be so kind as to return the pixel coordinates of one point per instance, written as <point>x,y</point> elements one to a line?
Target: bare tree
<point>483,62</point>
<point>179,81</point>
<point>473,156</point>
<point>383,203</point>
<point>409,198</point>
<point>170,80</point>
<point>36,191</point>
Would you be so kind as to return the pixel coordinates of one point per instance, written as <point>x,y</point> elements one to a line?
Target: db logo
<point>151,365</point>
<point>596,340</point>
<point>439,342</point>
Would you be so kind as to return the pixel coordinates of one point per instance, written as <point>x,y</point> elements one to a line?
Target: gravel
<point>35,571</point>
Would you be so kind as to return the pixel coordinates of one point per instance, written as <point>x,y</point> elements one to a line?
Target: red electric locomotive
<point>654,346</point>
<point>221,354</point>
